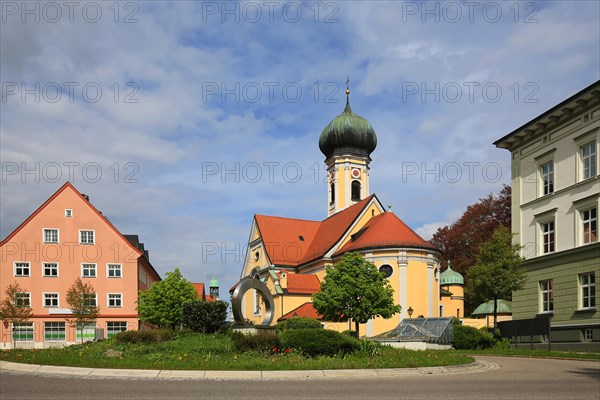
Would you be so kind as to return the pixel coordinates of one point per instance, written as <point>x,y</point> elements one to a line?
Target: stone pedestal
<point>254,329</point>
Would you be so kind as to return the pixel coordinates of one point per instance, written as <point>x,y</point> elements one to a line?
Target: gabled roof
<point>306,310</point>
<point>64,187</point>
<point>68,185</point>
<point>384,230</point>
<point>331,230</point>
<point>294,242</point>
<point>282,238</point>
<point>303,284</point>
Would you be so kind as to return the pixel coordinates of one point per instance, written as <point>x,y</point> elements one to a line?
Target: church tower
<point>347,143</point>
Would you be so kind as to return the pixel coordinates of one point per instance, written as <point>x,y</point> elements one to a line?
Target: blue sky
<point>200,114</point>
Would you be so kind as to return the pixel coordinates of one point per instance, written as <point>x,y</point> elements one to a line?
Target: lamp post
<point>410,312</point>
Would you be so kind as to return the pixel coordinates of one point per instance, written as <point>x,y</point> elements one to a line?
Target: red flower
<point>287,351</point>
<point>275,349</point>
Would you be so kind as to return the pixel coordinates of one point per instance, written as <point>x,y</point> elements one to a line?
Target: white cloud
<point>176,129</point>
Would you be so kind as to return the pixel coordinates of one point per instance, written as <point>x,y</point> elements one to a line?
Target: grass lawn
<point>217,352</point>
<point>512,352</point>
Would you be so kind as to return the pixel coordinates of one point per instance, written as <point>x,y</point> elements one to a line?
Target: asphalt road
<point>518,379</point>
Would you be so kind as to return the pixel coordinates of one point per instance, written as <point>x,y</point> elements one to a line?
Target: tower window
<point>332,201</point>
<point>355,190</point>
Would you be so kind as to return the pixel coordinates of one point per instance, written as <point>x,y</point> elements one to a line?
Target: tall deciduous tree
<point>461,241</point>
<point>497,271</point>
<point>81,299</point>
<point>162,304</point>
<point>15,308</point>
<point>354,288</point>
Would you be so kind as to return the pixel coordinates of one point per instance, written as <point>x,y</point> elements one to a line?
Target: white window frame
<point>88,268</point>
<point>30,329</point>
<point>22,274</point>
<point>115,298</point>
<point>89,331</point>
<point>44,239</point>
<point>68,213</point>
<point>592,168</point>
<point>95,300</point>
<point>44,294</point>
<point>112,332</point>
<point>546,304</point>
<point>550,174</point>
<point>26,295</point>
<point>108,270</point>
<point>81,241</point>
<point>58,324</point>
<point>541,220</point>
<point>590,285</point>
<point>592,221</point>
<point>588,335</point>
<point>44,270</point>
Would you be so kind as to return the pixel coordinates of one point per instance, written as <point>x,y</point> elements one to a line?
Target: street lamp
<point>410,312</point>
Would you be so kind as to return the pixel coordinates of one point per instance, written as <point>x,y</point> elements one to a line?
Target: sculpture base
<point>254,329</point>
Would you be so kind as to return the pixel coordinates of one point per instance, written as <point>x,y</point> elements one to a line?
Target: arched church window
<point>355,190</point>
<point>332,201</point>
<point>386,270</point>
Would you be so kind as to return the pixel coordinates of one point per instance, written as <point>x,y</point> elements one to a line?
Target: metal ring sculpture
<point>238,294</point>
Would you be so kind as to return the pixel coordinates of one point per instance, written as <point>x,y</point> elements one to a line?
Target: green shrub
<point>316,342</point>
<point>469,338</point>
<point>370,348</point>
<point>205,316</point>
<point>263,343</point>
<point>146,336</point>
<point>299,323</point>
<point>503,344</point>
<point>351,333</point>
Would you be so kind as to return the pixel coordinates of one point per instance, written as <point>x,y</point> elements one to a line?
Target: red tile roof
<point>281,237</point>
<point>200,289</point>
<point>303,284</point>
<point>332,229</point>
<point>284,246</point>
<point>385,230</point>
<point>306,310</point>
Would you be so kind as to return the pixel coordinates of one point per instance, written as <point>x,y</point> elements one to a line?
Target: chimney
<point>283,279</point>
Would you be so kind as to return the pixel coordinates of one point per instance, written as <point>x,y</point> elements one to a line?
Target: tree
<point>354,288</point>
<point>162,304</point>
<point>15,308</point>
<point>497,271</point>
<point>461,241</point>
<point>81,299</point>
<point>205,316</point>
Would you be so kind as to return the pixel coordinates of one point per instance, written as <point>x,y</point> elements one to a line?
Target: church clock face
<point>355,173</point>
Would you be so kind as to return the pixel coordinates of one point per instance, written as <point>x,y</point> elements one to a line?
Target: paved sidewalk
<point>103,373</point>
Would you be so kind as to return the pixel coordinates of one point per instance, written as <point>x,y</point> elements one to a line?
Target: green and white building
<point>555,199</point>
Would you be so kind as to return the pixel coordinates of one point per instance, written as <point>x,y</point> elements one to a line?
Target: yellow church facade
<point>290,255</point>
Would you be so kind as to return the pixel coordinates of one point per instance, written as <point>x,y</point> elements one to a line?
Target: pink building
<point>64,239</point>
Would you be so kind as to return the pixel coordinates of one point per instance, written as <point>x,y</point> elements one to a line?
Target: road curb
<point>104,373</point>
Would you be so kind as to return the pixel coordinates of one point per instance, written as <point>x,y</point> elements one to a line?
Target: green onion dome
<point>348,133</point>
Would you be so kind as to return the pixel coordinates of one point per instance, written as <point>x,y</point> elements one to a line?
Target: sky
<point>183,119</point>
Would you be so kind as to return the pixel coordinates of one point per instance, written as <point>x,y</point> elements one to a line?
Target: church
<point>290,255</point>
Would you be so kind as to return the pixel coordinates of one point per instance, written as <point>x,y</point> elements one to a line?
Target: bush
<point>317,342</point>
<point>351,333</point>
<point>469,338</point>
<point>263,343</point>
<point>370,347</point>
<point>298,323</point>
<point>146,336</point>
<point>205,316</point>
